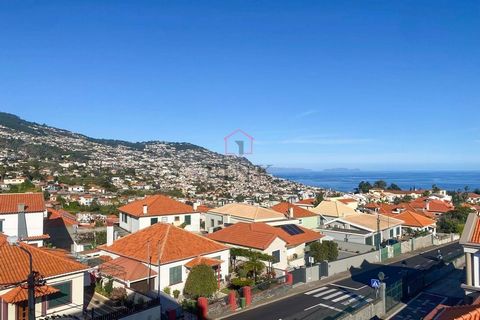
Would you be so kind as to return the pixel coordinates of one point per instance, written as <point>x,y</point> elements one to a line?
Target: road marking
<point>324,293</point>
<point>316,290</point>
<point>345,296</point>
<point>325,306</point>
<point>332,295</point>
<point>351,288</point>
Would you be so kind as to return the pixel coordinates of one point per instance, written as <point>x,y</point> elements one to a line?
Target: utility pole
<point>379,238</point>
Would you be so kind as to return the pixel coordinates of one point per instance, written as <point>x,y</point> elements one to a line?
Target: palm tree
<point>254,265</point>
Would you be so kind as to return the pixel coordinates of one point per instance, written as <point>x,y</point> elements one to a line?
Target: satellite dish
<point>381,276</point>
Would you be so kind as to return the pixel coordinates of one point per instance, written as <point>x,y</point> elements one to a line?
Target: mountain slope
<point>160,165</point>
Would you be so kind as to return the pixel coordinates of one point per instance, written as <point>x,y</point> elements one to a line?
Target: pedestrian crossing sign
<point>375,283</point>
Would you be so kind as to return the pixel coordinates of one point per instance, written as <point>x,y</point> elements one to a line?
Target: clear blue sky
<point>319,84</point>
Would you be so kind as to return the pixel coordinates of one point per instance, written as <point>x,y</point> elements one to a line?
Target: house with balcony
<point>286,243</point>
<point>161,255</point>
<point>470,240</point>
<point>140,214</point>
<point>22,215</point>
<point>60,291</point>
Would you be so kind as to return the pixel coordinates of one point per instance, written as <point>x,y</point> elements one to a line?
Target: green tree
<point>319,198</point>
<point>326,250</point>
<point>393,186</point>
<point>380,184</point>
<point>364,187</point>
<point>201,282</point>
<point>453,221</point>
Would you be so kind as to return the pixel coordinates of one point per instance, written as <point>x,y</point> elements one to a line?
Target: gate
<point>323,269</point>
<point>397,249</point>
<point>299,275</point>
<point>393,295</point>
<point>384,254</point>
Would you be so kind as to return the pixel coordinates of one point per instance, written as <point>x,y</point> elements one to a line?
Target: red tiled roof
<point>465,312</point>
<point>14,264</point>
<point>35,238</point>
<point>203,260</point>
<point>167,242</point>
<point>260,235</point>
<point>310,201</point>
<point>33,202</point>
<point>126,269</point>
<point>157,205</point>
<point>412,219</point>
<point>203,208</point>
<point>476,233</point>
<point>347,201</point>
<point>20,293</point>
<point>298,212</point>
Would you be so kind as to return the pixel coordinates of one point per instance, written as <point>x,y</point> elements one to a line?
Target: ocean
<point>348,180</point>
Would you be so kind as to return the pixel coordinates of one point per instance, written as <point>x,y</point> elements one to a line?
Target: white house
<point>14,181</point>
<point>162,254</point>
<point>63,292</point>
<point>21,215</point>
<point>76,189</point>
<point>140,214</point>
<point>470,240</point>
<point>286,243</point>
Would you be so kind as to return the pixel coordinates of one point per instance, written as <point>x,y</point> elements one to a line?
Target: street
<point>332,300</point>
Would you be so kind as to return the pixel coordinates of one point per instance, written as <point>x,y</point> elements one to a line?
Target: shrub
<point>166,290</point>
<point>108,287</point>
<point>237,283</point>
<point>176,294</point>
<point>201,282</point>
<point>118,294</point>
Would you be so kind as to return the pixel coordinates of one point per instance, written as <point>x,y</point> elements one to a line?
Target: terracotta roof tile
<point>260,235</point>
<point>476,233</point>
<point>157,205</point>
<point>14,264</point>
<point>412,219</point>
<point>310,201</point>
<point>126,269</point>
<point>298,212</point>
<point>166,241</point>
<point>203,260</point>
<point>33,202</point>
<point>20,293</point>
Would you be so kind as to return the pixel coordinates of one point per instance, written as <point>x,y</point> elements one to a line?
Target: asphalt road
<point>333,300</point>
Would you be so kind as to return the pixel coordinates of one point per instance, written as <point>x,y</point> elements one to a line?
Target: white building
<point>140,214</point>
<point>21,215</point>
<point>169,252</point>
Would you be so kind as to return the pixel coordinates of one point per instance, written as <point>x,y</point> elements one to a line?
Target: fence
<point>126,311</point>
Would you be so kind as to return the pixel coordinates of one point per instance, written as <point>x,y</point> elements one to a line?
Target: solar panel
<point>291,229</point>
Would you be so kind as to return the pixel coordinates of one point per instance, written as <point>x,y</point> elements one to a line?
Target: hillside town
<point>100,254</point>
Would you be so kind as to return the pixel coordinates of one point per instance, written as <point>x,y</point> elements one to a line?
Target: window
<point>61,298</point>
<point>368,241</point>
<point>1,225</point>
<point>177,218</point>
<point>153,221</point>
<point>391,233</point>
<point>398,231</point>
<point>124,217</point>
<point>188,220</point>
<point>276,256</point>
<point>164,219</point>
<point>175,275</point>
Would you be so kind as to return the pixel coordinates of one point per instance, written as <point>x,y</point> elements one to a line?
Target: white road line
<point>332,295</point>
<point>325,306</point>
<point>354,298</point>
<point>316,290</point>
<point>345,296</point>
<point>351,288</point>
<point>324,293</point>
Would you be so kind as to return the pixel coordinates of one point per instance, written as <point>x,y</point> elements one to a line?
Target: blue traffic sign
<point>375,283</point>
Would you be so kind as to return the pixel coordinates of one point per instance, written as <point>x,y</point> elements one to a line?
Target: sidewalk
<point>299,289</point>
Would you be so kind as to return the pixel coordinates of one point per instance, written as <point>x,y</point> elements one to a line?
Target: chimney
<point>145,209</point>
<point>290,213</point>
<point>110,232</point>
<point>21,207</point>
<point>195,206</point>
<point>22,231</point>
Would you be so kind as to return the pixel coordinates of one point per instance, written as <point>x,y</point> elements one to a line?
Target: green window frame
<point>188,219</point>
<point>175,275</point>
<point>1,225</point>
<point>391,233</point>
<point>276,256</point>
<point>369,241</point>
<point>153,221</point>
<point>61,298</point>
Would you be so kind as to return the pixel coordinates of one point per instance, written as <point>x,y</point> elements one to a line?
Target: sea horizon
<point>348,180</point>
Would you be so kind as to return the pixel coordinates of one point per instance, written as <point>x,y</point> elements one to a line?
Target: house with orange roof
<point>413,221</point>
<point>241,212</point>
<point>470,240</point>
<point>61,290</point>
<point>22,215</point>
<point>161,256</point>
<point>305,217</point>
<point>286,243</point>
<point>459,312</point>
<point>142,213</point>
<point>306,203</point>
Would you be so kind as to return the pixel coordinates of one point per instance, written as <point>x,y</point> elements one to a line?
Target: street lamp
<point>13,241</point>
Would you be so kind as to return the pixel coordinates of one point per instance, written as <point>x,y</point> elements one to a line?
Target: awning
<point>20,293</point>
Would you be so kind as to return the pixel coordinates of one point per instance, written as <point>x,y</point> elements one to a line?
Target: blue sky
<point>319,84</point>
